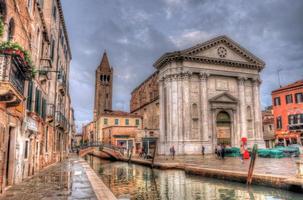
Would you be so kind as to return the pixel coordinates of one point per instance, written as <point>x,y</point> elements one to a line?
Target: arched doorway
<point>223,122</point>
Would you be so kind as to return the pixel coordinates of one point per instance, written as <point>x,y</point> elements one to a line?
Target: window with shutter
<point>29,96</point>
<point>43,114</point>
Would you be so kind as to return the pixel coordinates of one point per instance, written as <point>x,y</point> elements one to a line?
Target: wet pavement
<point>65,180</point>
<point>270,166</point>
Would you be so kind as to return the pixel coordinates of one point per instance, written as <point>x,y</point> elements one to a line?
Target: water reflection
<point>130,181</point>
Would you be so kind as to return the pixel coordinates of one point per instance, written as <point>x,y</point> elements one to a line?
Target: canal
<point>131,181</point>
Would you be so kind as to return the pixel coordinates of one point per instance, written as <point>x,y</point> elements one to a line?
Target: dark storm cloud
<point>136,32</point>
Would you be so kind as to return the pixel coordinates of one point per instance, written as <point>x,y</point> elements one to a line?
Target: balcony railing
<point>295,127</point>
<point>13,74</point>
<point>61,121</point>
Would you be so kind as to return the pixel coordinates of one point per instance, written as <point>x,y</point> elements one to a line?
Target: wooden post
<point>252,164</point>
<point>131,153</point>
<point>154,155</point>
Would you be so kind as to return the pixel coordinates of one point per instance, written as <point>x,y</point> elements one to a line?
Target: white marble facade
<point>209,94</point>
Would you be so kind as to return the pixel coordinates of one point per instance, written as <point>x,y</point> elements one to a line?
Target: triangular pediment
<point>224,97</point>
<point>223,48</point>
<point>221,51</point>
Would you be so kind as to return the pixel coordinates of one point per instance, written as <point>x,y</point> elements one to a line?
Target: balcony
<point>62,85</point>
<point>61,121</point>
<point>295,127</point>
<point>50,112</point>
<point>13,73</point>
<point>45,66</point>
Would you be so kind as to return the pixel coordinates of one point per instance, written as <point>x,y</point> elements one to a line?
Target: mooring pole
<point>252,164</point>
<point>154,155</point>
<point>131,153</point>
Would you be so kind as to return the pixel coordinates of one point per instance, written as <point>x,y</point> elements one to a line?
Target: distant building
<point>268,127</point>
<point>117,119</point>
<point>288,113</point>
<point>89,132</point>
<point>103,87</point>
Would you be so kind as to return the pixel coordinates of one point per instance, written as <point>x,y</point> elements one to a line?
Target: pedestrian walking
<point>203,150</point>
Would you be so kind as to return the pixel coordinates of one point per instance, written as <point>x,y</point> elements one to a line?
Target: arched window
<point>108,78</point>
<point>11,29</point>
<point>52,50</point>
<point>101,77</point>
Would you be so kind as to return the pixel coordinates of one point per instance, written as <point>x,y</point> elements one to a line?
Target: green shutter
<point>43,108</point>
<point>29,96</point>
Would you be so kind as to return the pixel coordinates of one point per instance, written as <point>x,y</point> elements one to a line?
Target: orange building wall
<point>284,109</point>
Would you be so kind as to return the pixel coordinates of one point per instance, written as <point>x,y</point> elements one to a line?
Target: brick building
<point>145,102</point>
<point>35,107</point>
<point>288,113</point>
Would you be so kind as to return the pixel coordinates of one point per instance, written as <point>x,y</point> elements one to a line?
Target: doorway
<point>9,172</point>
<point>223,123</point>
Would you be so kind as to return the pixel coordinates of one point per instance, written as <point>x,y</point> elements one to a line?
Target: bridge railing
<point>104,145</point>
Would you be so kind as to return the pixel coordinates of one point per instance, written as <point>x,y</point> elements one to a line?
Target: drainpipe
<point>56,92</point>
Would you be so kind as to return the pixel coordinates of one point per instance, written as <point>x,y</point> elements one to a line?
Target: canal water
<point>131,181</point>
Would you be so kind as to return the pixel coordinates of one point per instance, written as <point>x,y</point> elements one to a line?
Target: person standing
<point>223,151</point>
<point>203,150</point>
<point>219,151</point>
<point>173,152</point>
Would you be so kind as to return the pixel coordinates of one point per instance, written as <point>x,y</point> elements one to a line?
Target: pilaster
<point>243,125</point>
<point>204,106</point>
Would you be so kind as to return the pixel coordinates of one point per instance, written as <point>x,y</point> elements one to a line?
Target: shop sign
<point>32,124</point>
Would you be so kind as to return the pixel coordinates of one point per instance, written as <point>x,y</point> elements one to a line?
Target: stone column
<point>162,106</point>
<point>186,106</point>
<point>204,106</point>
<point>257,109</point>
<point>241,86</point>
<point>180,112</point>
<point>169,114</point>
<point>174,112</point>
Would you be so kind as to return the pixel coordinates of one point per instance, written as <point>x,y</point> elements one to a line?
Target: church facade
<point>209,94</point>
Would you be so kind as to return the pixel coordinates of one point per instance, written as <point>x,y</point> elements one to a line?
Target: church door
<point>223,128</point>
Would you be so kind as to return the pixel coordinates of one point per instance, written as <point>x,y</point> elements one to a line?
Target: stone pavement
<point>270,166</point>
<point>65,180</point>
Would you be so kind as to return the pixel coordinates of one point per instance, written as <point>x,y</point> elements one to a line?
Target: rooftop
<point>119,113</point>
<point>289,86</point>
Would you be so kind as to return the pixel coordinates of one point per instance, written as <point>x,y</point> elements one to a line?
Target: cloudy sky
<point>136,32</point>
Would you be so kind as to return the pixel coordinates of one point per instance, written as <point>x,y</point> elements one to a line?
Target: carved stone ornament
<point>222,52</point>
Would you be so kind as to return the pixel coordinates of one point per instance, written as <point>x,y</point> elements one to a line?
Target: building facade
<point>118,119</point>
<point>103,87</point>
<point>36,113</point>
<point>288,113</point>
<point>209,95</point>
<point>268,127</point>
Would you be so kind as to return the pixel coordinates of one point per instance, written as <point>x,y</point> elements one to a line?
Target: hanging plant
<point>1,27</point>
<point>13,48</point>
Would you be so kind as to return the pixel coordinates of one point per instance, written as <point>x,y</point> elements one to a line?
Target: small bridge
<point>113,152</point>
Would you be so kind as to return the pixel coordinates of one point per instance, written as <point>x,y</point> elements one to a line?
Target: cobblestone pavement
<point>65,180</point>
<point>281,167</point>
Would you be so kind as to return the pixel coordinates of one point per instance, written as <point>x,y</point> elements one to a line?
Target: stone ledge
<point>101,190</point>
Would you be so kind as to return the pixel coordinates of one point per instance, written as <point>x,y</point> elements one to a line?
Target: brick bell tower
<point>103,87</point>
